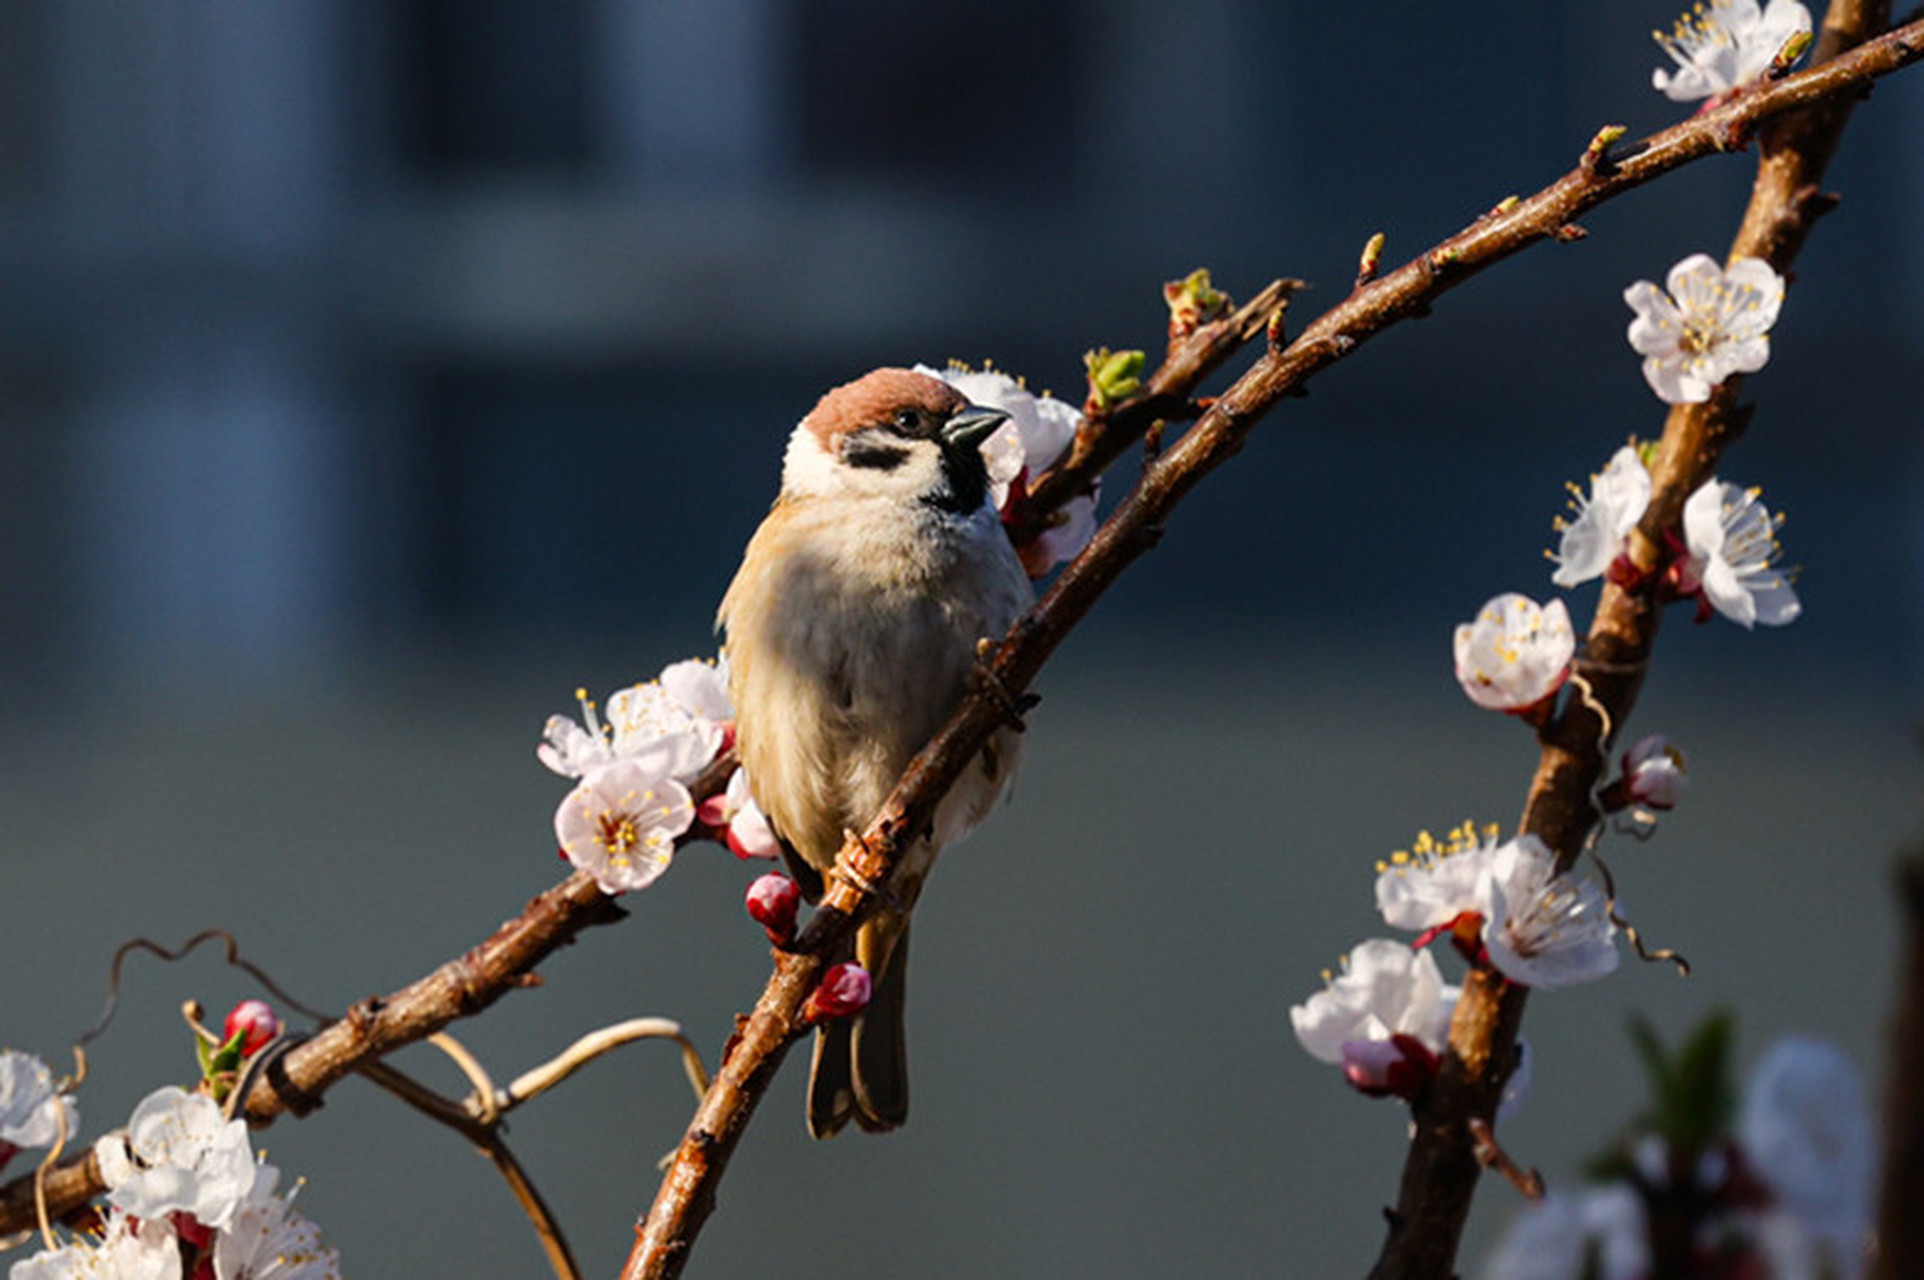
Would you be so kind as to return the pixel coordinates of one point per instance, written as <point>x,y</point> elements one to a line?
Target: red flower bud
<point>255,1019</point>
<point>844,992</point>
<point>773,900</point>
<point>1401,1066</point>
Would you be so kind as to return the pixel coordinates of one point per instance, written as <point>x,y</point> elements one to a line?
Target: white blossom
<point>1544,929</point>
<point>1617,499</point>
<point>1731,538</point>
<point>1724,44</point>
<point>1435,881</point>
<point>268,1240</point>
<point>1516,653</point>
<point>126,1250</point>
<point>1805,1130</point>
<point>1712,323</point>
<point>1386,989</point>
<point>1553,1239</point>
<point>699,686</point>
<point>673,725</point>
<point>32,1113</point>
<point>619,825</point>
<point>181,1154</point>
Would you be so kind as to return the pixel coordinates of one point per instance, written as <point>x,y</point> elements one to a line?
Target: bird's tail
<point>861,1066</point>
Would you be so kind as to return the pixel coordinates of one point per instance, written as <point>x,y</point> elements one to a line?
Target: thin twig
<point>533,1083</point>
<point>1491,1155</point>
<point>687,1194</point>
<point>488,1141</point>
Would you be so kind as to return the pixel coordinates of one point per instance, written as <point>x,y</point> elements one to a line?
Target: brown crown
<point>877,396</point>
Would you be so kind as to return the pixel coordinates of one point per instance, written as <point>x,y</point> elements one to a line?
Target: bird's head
<point>893,433</point>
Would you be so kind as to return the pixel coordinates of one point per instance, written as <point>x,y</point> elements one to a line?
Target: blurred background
<point>371,376</point>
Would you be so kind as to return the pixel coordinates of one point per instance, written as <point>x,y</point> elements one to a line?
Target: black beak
<point>971,425</point>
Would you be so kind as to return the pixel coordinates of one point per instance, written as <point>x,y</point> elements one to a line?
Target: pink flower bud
<point>844,992</point>
<point>713,812</point>
<point>773,900</point>
<point>1653,773</point>
<point>255,1019</point>
<point>1401,1066</point>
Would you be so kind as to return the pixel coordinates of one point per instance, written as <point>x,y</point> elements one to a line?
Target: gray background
<point>371,376</point>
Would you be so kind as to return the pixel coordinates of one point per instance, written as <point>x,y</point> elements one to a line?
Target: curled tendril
<point>171,956</point>
<point>1630,930</point>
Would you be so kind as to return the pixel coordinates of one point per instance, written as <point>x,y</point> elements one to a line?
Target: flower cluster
<point>1538,927</point>
<point>187,1197</point>
<point>1729,548</point>
<point>1386,1018</point>
<point>621,821</point>
<point>1037,435</point>
<point>1784,1193</point>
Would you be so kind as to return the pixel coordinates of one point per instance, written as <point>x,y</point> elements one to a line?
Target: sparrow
<point>851,630</point>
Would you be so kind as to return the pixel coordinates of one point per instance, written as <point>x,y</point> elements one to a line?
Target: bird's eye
<point>908,419</point>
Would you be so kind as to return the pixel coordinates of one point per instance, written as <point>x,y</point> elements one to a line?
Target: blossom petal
<point>1545,929</point>
<point>1385,989</point>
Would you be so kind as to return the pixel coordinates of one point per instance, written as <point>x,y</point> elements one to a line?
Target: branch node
<point>1568,233</point>
<point>1193,302</point>
<point>1491,1155</point>
<point>1011,705</point>
<point>1152,440</point>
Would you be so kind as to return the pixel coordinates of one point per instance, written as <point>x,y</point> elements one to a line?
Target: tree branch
<point>1440,1172</point>
<point>1900,1228</point>
<point>688,1191</point>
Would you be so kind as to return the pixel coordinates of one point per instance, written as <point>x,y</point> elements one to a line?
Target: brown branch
<point>1900,1228</point>
<point>1165,396</point>
<point>1440,1171</point>
<point>687,1194</point>
<point>377,1026</point>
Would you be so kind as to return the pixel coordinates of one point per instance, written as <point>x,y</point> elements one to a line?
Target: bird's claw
<point>860,883</point>
<point>983,677</point>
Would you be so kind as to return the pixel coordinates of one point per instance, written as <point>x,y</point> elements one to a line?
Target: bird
<point>851,631</point>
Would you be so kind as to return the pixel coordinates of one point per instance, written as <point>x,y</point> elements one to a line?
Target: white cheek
<point>807,469</point>
<point>810,471</point>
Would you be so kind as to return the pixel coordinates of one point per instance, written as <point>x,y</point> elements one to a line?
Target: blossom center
<point>617,831</point>
<point>1701,28</point>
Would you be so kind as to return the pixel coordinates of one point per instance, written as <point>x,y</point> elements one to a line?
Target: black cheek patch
<point>873,454</point>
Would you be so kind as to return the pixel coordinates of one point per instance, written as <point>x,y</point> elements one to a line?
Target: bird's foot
<point>876,889</point>
<point>982,676</point>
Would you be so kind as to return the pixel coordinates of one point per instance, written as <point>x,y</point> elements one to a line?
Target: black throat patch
<point>967,474</point>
